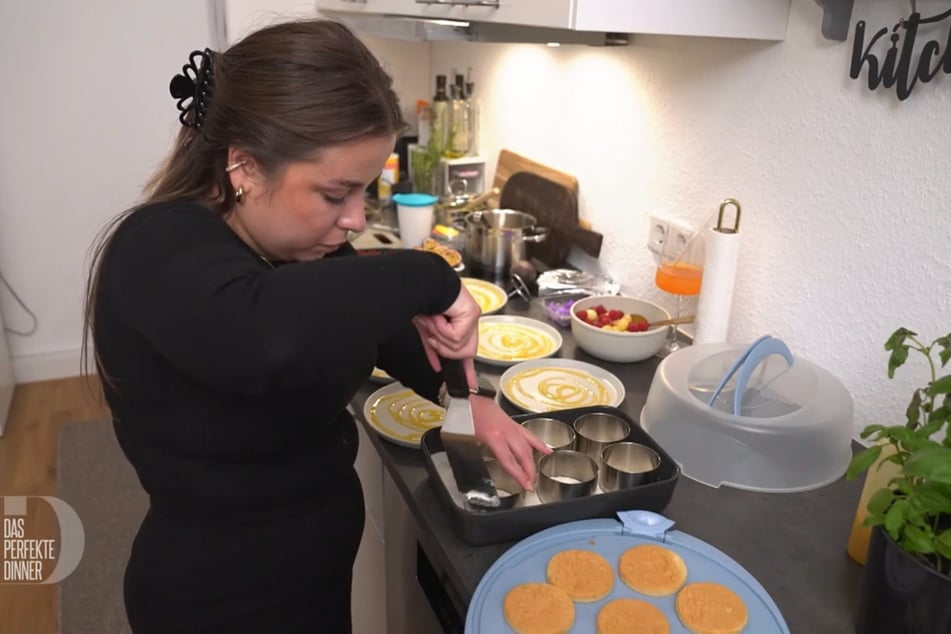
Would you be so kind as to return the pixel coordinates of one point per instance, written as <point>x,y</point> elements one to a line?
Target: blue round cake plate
<point>527,561</point>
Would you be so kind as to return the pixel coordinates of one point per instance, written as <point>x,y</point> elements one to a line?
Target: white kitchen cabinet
<point>369,592</point>
<point>554,13</point>
<point>370,469</point>
<point>241,17</point>
<point>407,608</point>
<point>752,19</point>
<point>375,7</point>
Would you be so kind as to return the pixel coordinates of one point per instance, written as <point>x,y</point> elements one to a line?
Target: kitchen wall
<point>845,223</point>
<point>86,118</point>
<point>406,61</point>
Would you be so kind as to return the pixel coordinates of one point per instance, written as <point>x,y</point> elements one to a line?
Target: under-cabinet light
<point>456,23</point>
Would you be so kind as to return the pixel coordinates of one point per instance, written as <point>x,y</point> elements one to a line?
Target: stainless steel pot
<point>496,238</point>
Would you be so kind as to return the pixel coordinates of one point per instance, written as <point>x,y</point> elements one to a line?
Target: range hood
<point>591,22</point>
<point>417,29</point>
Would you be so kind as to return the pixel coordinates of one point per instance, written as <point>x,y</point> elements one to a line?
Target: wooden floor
<point>28,467</point>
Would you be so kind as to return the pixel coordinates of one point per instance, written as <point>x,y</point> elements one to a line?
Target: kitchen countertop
<point>793,543</point>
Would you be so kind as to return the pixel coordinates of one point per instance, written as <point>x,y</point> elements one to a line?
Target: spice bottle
<point>439,133</point>
<point>458,145</point>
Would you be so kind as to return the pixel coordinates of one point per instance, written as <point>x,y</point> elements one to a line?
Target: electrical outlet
<point>657,233</point>
<point>664,227</point>
<point>681,233</point>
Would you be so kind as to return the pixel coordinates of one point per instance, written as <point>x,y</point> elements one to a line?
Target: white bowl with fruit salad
<point>618,328</point>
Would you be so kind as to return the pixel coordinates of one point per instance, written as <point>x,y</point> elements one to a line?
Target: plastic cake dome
<point>750,417</point>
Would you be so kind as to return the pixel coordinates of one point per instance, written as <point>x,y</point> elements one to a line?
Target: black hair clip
<point>194,86</point>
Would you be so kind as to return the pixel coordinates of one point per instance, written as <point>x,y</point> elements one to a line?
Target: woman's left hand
<point>509,442</point>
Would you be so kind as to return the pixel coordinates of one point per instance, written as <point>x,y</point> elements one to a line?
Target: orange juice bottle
<point>679,278</point>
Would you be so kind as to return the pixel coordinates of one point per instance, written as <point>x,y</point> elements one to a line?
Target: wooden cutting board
<point>512,163</point>
<point>554,206</point>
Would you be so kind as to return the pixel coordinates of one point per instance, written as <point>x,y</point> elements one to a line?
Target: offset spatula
<point>458,438</point>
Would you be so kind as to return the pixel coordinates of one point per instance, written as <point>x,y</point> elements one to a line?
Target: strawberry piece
<point>600,309</point>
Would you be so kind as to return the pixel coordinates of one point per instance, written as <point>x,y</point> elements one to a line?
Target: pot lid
<point>501,219</point>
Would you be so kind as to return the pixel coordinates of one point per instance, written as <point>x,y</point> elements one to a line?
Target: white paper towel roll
<point>722,251</point>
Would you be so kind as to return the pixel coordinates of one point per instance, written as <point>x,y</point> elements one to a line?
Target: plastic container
<point>777,423</point>
<point>558,309</point>
<point>414,215</point>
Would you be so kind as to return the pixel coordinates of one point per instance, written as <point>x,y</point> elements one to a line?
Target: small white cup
<point>414,214</point>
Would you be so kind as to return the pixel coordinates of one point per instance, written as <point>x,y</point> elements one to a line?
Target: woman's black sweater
<point>228,379</point>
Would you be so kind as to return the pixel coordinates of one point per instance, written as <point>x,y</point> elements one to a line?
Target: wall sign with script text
<point>912,51</point>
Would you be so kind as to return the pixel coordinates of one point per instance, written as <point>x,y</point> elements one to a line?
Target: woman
<point>232,328</point>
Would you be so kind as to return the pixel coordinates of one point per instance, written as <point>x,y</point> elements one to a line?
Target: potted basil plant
<point>907,584</point>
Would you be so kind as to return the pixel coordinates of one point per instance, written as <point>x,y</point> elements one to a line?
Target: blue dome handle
<point>746,363</point>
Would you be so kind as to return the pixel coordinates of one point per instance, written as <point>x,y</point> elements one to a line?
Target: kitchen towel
<point>716,294</point>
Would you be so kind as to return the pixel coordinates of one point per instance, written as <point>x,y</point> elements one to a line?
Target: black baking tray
<point>479,527</point>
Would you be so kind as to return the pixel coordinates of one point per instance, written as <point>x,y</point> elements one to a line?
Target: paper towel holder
<point>736,221</point>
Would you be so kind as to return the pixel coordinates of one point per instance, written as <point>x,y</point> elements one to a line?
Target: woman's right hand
<point>454,334</point>
<point>512,444</point>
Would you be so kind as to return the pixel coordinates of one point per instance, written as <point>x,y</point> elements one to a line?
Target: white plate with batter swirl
<point>401,415</point>
<point>547,385</point>
<point>490,297</point>
<point>509,339</point>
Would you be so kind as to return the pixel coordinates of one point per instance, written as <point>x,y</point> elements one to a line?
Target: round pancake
<point>710,608</point>
<point>538,608</point>
<point>586,576</point>
<point>652,570</point>
<point>631,616</point>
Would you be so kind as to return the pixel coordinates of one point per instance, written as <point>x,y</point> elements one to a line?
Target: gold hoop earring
<point>234,166</point>
<point>239,194</point>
